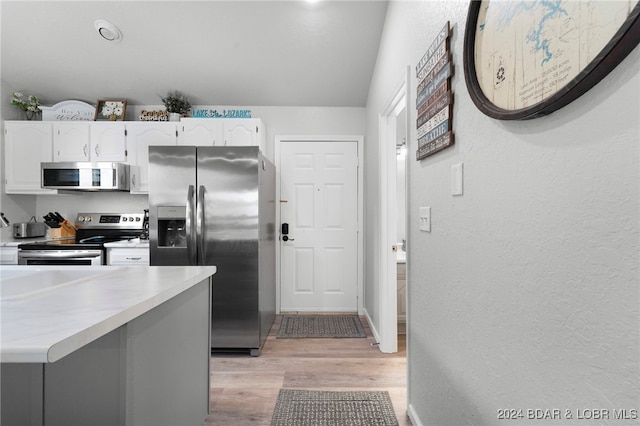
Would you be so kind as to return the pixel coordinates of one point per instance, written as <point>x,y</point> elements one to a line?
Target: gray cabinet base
<point>152,370</point>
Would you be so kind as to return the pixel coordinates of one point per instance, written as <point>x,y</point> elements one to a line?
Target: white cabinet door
<point>242,132</point>
<point>71,141</point>
<point>139,137</point>
<point>128,256</point>
<point>27,144</point>
<point>107,142</point>
<point>9,255</point>
<point>201,132</point>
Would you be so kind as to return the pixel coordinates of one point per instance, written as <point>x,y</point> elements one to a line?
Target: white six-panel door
<point>319,193</point>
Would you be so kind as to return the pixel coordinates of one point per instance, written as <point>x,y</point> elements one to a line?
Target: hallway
<point>244,389</point>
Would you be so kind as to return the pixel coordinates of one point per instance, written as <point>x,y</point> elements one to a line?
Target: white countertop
<point>15,242</point>
<point>47,318</point>
<point>133,243</point>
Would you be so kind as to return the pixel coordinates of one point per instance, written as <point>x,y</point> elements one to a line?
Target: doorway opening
<point>392,289</point>
<point>401,220</point>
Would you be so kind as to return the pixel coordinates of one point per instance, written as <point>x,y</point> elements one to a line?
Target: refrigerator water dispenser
<point>172,226</point>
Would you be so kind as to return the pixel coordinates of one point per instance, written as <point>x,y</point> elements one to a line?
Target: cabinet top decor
<point>68,111</point>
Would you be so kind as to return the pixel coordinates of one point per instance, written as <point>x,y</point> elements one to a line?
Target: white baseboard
<point>374,332</point>
<point>413,416</point>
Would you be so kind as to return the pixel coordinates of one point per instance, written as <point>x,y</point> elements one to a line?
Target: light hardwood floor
<point>244,389</point>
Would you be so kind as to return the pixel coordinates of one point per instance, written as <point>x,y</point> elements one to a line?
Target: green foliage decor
<point>29,104</point>
<point>176,102</point>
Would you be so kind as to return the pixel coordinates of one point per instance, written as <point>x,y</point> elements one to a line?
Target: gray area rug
<point>323,408</point>
<point>306,326</point>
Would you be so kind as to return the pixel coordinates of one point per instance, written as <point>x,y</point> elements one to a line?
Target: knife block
<point>66,230</point>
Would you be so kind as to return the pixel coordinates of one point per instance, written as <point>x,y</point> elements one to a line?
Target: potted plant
<point>30,105</point>
<point>177,105</point>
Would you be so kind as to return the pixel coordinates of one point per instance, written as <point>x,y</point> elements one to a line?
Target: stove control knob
<point>138,219</point>
<point>124,218</point>
<point>130,219</point>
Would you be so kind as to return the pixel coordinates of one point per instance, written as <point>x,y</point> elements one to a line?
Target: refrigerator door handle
<point>200,226</point>
<point>191,235</point>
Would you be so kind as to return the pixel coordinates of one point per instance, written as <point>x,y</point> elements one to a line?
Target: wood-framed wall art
<point>527,59</point>
<point>434,99</point>
<point>110,110</point>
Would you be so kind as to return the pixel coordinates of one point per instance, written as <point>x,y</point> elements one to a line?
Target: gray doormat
<point>323,408</point>
<point>305,326</point>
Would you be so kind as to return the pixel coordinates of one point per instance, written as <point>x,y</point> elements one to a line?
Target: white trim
<point>372,326</point>
<point>388,285</point>
<point>279,139</point>
<point>413,416</point>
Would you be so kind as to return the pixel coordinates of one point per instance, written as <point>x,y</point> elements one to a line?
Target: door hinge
<point>125,132</point>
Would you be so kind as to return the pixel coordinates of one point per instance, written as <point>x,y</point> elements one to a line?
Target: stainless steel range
<point>93,230</point>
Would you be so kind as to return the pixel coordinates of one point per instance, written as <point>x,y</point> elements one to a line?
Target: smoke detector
<point>107,30</point>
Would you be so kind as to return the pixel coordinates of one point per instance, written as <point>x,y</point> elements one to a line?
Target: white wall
<point>525,294</point>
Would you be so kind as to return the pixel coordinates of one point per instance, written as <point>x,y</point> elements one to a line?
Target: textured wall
<point>525,295</point>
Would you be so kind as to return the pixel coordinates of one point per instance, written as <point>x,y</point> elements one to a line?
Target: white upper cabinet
<point>139,137</point>
<point>243,132</point>
<point>201,132</point>
<point>222,132</point>
<point>27,144</point>
<point>108,142</point>
<point>89,141</point>
<point>71,141</point>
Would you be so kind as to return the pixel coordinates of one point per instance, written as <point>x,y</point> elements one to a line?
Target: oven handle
<point>59,254</point>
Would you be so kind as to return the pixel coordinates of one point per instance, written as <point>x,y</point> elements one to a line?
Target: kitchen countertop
<point>15,242</point>
<point>57,316</point>
<point>133,243</point>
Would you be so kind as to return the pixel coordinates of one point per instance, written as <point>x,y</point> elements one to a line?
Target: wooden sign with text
<point>434,101</point>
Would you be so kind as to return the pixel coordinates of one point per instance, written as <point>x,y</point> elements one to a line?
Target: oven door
<point>60,257</point>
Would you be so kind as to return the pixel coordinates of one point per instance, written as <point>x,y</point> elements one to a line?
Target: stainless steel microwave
<point>85,176</point>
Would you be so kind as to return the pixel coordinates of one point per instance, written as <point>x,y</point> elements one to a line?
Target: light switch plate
<point>425,219</point>
<point>456,179</point>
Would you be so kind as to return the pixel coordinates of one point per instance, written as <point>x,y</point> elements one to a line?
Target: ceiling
<point>251,53</point>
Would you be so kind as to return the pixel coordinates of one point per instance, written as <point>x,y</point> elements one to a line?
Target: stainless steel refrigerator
<point>216,206</point>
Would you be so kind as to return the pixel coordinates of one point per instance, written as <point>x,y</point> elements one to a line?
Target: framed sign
<point>526,59</point>
<point>434,100</point>
<point>110,109</point>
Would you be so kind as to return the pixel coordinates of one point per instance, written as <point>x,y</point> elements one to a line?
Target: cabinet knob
<point>96,151</point>
<point>84,149</point>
